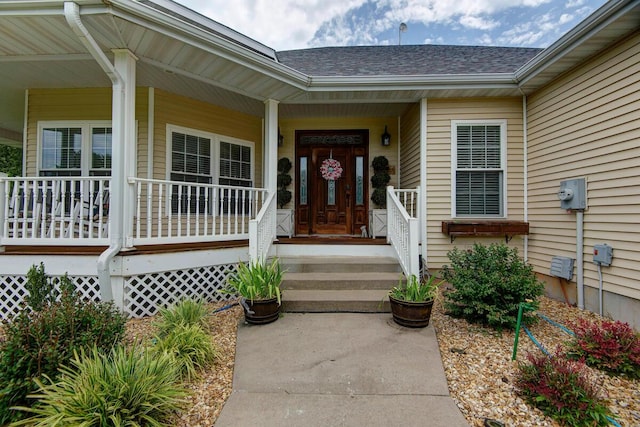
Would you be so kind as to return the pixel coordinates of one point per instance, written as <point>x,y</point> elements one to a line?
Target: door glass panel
<point>303,180</point>
<point>331,192</point>
<point>359,180</point>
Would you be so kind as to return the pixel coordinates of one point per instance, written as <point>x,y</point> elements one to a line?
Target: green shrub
<point>561,389</point>
<point>186,312</point>
<point>37,342</point>
<point>610,346</point>
<point>192,348</point>
<point>489,282</point>
<point>121,388</point>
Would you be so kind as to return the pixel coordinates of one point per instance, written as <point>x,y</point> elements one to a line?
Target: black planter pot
<point>261,312</point>
<point>411,314</point>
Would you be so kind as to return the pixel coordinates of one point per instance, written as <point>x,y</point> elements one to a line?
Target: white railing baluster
<point>403,231</point>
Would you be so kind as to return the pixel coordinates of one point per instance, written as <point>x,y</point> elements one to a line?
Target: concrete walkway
<point>340,369</point>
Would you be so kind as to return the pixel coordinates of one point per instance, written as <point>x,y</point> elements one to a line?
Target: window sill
<point>479,228</point>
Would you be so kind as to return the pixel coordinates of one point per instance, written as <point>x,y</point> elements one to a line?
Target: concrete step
<point>339,264</point>
<point>340,281</point>
<point>332,301</point>
<point>329,284</point>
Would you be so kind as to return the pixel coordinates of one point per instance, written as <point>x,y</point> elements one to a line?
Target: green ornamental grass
<point>192,348</point>
<point>257,280</point>
<point>186,312</point>
<point>121,389</point>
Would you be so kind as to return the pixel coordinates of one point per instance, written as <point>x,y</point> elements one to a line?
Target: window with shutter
<point>478,171</point>
<point>193,157</point>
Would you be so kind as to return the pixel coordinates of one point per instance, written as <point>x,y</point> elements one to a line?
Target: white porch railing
<point>408,199</point>
<point>262,230</point>
<point>54,210</point>
<point>180,212</point>
<point>403,230</point>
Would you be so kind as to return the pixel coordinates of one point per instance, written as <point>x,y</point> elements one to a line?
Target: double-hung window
<point>479,168</point>
<point>75,148</point>
<point>205,158</point>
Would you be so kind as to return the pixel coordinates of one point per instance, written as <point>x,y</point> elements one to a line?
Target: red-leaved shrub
<point>562,390</point>
<point>611,346</point>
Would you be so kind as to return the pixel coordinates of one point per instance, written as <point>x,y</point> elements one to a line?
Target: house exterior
<point>151,138</point>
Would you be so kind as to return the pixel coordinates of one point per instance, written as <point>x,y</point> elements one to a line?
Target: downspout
<point>72,15</point>
<point>525,142</point>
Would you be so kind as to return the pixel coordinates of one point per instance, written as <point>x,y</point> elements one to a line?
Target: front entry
<point>331,181</point>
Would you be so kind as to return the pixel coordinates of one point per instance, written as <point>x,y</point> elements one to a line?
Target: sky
<point>301,24</point>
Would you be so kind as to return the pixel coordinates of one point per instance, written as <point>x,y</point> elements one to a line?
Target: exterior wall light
<point>386,137</point>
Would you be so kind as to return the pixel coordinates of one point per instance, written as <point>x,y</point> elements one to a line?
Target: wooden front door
<point>331,206</point>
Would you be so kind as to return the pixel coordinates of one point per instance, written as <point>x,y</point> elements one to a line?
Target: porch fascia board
<point>152,19</point>
<point>427,81</point>
<point>577,37</point>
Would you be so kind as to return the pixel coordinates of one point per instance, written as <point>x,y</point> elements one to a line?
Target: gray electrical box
<point>602,254</point>
<point>562,266</point>
<point>573,194</point>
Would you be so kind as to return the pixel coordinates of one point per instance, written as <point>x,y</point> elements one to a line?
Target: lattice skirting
<point>13,291</point>
<point>144,294</point>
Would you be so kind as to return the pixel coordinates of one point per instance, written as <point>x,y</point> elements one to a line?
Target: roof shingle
<point>406,60</point>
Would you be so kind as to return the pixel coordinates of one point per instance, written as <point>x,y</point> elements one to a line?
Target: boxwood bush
<point>489,282</point>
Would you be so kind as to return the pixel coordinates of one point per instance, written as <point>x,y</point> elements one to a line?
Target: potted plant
<point>379,181</point>
<point>284,216</point>
<point>258,285</point>
<point>411,302</point>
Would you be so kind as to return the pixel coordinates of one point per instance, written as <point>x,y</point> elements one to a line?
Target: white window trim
<point>503,163</point>
<point>215,150</point>
<point>86,126</point>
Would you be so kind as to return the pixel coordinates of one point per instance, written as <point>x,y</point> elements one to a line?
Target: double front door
<point>331,182</point>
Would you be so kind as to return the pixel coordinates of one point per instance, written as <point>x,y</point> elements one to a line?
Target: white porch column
<point>270,166</point>
<point>423,178</point>
<point>123,148</point>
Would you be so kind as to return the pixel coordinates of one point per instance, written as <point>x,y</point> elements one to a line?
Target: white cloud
<point>477,22</point>
<point>280,24</point>
<point>295,24</point>
<point>574,3</point>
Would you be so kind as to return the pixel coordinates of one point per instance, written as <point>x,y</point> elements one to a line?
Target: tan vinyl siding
<point>587,124</point>
<point>440,113</point>
<point>410,148</point>
<point>190,113</point>
<point>83,104</point>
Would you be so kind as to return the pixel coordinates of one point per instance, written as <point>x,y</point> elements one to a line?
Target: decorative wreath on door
<point>331,169</point>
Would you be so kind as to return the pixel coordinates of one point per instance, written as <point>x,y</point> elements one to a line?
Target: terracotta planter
<point>411,314</point>
<point>264,311</point>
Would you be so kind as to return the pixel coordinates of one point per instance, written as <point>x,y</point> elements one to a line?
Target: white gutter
<point>424,81</point>
<point>525,142</point>
<point>604,16</point>
<point>72,15</point>
<point>193,35</point>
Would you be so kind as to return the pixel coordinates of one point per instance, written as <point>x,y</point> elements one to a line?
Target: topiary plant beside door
<point>284,217</point>
<point>379,181</point>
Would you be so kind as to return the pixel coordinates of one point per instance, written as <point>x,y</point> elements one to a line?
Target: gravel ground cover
<point>480,373</point>
<point>477,363</point>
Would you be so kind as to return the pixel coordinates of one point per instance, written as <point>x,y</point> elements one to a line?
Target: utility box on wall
<point>562,267</point>
<point>602,254</point>
<point>573,194</point>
